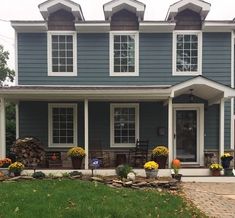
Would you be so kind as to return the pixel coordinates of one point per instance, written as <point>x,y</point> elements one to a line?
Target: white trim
<point>2,129</point>
<point>86,132</point>
<point>185,73</point>
<point>156,27</point>
<point>17,120</point>
<point>123,105</point>
<point>131,5</point>
<point>218,26</point>
<point>200,129</point>
<point>170,131</point>
<point>50,128</point>
<point>49,53</point>
<point>232,85</point>
<point>48,7</point>
<point>16,59</point>
<point>111,52</point>
<point>198,6</point>
<point>221,135</point>
<point>29,26</point>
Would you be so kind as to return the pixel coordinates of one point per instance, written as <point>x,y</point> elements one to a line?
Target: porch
<point>155,119</point>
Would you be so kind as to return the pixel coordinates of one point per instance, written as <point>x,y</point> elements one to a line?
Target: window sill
<point>123,146</point>
<point>186,74</point>
<point>62,74</point>
<point>124,74</point>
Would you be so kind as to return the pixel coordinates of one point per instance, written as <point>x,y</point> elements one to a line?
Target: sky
<point>92,10</point>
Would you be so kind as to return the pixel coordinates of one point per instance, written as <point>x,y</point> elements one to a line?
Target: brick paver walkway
<point>215,199</point>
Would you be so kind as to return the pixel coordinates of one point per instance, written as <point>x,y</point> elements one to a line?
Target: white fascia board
<point>153,27</point>
<point>92,27</point>
<point>209,26</point>
<point>29,26</point>
<point>131,5</point>
<point>195,5</point>
<point>228,92</point>
<point>51,6</point>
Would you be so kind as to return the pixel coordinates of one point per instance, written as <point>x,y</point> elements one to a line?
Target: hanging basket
<point>77,162</point>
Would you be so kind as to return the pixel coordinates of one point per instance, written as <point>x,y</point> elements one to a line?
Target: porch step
<point>215,179</point>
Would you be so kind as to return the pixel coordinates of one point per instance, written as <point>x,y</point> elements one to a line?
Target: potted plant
<point>77,154</point>
<point>151,169</point>
<point>159,155</point>
<point>175,165</point>
<point>225,160</point>
<point>215,169</point>
<point>16,168</point>
<point>4,163</point>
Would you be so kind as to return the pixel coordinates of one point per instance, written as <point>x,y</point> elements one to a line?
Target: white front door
<point>188,133</point>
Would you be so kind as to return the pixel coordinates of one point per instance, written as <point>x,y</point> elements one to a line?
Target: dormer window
<point>124,53</point>
<point>187,53</point>
<point>62,54</point>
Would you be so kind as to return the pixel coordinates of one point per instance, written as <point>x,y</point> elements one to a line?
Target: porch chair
<point>140,153</point>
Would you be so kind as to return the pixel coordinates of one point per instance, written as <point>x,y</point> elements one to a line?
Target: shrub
<point>123,170</point>
<point>39,175</point>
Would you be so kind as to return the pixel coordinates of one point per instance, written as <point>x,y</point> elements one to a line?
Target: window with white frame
<point>187,49</point>
<point>124,53</point>
<point>124,124</point>
<point>62,125</point>
<point>62,54</point>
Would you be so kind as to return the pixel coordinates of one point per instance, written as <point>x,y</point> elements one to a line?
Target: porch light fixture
<point>191,96</point>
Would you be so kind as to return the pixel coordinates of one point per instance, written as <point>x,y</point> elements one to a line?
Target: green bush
<point>123,170</point>
<point>75,173</point>
<point>39,175</point>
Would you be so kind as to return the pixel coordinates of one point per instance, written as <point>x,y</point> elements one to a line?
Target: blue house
<point>104,84</point>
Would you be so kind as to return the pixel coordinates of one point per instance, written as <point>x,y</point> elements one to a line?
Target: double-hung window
<point>62,54</point>
<point>62,125</point>
<point>124,124</point>
<point>124,53</point>
<point>187,53</point>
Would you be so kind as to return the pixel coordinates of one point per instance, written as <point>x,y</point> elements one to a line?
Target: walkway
<point>215,199</point>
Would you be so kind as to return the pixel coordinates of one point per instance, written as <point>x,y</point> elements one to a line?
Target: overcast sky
<point>92,9</point>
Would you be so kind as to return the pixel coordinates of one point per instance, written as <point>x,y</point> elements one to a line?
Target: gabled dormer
<point>188,14</point>
<point>61,14</point>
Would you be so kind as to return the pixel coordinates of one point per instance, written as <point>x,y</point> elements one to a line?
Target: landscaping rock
<point>127,184</point>
<point>26,177</point>
<point>117,185</point>
<point>76,177</point>
<point>97,179</point>
<point>14,178</point>
<point>159,189</point>
<point>141,184</point>
<point>118,181</point>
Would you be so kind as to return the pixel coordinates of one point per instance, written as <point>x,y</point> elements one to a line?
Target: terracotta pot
<point>77,162</point>
<point>161,160</point>
<point>151,174</point>
<point>215,172</point>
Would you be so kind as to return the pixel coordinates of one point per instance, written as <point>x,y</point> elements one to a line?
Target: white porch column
<point>2,129</point>
<point>86,132</point>
<point>221,144</point>
<point>17,120</point>
<point>170,131</point>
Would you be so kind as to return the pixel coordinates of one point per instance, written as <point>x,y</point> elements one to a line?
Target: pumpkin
<point>176,163</point>
<point>1,174</point>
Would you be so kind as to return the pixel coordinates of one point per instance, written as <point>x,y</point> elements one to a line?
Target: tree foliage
<point>5,71</point>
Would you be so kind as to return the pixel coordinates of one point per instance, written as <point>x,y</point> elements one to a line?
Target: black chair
<point>140,153</point>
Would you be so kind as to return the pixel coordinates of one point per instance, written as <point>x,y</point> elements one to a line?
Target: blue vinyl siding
<point>153,115</point>
<point>155,60</point>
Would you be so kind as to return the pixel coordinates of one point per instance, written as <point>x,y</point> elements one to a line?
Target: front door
<point>187,134</point>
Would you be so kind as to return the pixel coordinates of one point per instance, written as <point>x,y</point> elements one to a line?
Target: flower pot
<point>161,160</point>
<point>225,163</point>
<point>176,176</point>
<point>215,172</point>
<point>76,162</point>
<point>151,174</point>
<point>17,173</point>
<point>228,172</point>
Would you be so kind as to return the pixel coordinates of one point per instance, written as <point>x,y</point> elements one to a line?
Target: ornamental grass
<point>76,152</point>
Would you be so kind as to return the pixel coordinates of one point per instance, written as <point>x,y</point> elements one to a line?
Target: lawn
<point>80,199</point>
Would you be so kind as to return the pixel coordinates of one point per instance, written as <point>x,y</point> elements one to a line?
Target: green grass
<point>80,199</point>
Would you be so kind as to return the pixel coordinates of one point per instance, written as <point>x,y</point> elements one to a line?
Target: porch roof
<point>201,87</point>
